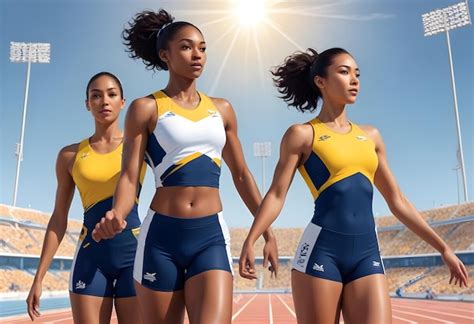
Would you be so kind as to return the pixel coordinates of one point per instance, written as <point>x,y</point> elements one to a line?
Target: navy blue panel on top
<point>94,214</point>
<point>317,171</point>
<point>202,171</point>
<point>346,206</point>
<point>154,150</point>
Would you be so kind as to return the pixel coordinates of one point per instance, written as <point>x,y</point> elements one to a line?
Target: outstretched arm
<point>57,225</point>
<point>295,142</point>
<point>401,207</point>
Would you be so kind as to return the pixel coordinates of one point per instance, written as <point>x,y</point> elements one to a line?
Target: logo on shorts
<point>150,276</point>
<point>376,263</point>
<point>361,138</point>
<point>318,267</point>
<point>80,285</point>
<point>114,282</point>
<point>303,253</point>
<point>324,137</point>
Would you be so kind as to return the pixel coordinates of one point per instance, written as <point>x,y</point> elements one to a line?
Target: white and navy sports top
<point>185,148</point>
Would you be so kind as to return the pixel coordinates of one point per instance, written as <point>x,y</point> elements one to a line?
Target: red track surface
<point>278,309</point>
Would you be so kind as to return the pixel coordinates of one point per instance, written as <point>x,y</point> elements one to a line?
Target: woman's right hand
<point>247,262</point>
<point>33,300</point>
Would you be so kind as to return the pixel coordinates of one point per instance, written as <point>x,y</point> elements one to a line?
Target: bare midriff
<point>186,202</point>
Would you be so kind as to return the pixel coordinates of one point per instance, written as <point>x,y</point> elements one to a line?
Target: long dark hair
<point>294,78</point>
<point>147,33</point>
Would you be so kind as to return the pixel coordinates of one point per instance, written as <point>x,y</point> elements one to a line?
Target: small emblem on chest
<point>361,138</point>
<point>323,138</point>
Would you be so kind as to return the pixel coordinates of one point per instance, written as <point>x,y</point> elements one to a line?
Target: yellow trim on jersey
<point>96,175</point>
<point>343,155</point>
<point>308,181</point>
<point>217,161</point>
<point>181,163</point>
<point>166,105</point>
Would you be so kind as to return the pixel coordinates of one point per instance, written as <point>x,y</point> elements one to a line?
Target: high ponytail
<point>294,79</point>
<point>147,33</point>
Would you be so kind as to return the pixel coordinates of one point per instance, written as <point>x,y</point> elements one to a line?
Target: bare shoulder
<point>67,155</point>
<point>223,105</point>
<point>145,106</point>
<point>372,131</point>
<point>299,135</point>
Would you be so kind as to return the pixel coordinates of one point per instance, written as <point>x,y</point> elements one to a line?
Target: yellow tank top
<point>96,175</point>
<point>335,157</point>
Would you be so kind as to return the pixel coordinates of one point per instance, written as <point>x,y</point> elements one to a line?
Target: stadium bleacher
<point>22,233</point>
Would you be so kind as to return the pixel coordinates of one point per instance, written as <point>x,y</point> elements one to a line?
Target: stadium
<point>414,271</point>
<point>406,95</point>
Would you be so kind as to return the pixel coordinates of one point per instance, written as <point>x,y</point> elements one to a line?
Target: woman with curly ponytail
<point>183,256</point>
<point>337,265</point>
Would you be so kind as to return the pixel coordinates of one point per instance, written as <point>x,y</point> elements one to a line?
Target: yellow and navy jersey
<point>185,148</point>
<point>340,175</point>
<point>96,174</point>
<point>335,157</point>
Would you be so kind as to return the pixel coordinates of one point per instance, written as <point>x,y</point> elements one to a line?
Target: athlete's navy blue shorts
<point>342,257</point>
<point>172,250</point>
<point>105,269</point>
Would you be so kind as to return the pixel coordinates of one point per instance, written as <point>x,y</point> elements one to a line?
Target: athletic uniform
<point>184,149</point>
<point>340,243</point>
<point>102,269</point>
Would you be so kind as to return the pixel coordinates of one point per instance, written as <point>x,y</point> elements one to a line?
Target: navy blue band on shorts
<point>338,256</point>
<point>172,250</point>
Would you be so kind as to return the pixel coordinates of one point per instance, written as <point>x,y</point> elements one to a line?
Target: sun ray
<point>223,63</point>
<point>223,35</point>
<point>212,22</point>
<point>203,12</point>
<point>259,55</point>
<point>284,35</point>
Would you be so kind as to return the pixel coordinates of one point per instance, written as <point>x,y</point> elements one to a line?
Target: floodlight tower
<point>262,150</point>
<point>443,20</point>
<point>26,53</point>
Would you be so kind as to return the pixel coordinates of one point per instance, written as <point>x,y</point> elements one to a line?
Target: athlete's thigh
<point>208,297</point>
<point>316,300</point>
<point>366,300</point>
<point>90,309</point>
<point>161,307</point>
<point>128,310</point>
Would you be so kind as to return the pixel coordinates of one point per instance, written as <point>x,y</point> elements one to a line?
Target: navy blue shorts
<point>172,250</point>
<point>105,269</point>
<point>338,256</point>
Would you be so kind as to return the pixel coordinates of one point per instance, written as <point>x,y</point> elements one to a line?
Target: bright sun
<point>249,12</point>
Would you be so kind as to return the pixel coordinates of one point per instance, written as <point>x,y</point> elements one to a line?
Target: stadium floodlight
<point>262,150</point>
<point>26,53</point>
<point>443,20</point>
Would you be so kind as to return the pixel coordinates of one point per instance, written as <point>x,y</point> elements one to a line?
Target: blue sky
<point>405,88</point>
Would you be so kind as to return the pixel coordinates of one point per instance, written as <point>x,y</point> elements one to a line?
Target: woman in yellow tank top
<point>337,263</point>
<point>101,273</point>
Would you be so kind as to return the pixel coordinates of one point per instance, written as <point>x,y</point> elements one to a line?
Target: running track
<point>279,309</point>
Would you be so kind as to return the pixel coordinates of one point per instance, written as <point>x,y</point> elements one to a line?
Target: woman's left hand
<point>456,267</point>
<point>270,253</point>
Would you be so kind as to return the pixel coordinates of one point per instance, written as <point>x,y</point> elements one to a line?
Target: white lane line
<point>270,312</point>
<point>434,311</point>
<point>287,307</point>
<point>404,319</point>
<point>441,307</point>
<point>424,316</point>
<point>243,307</point>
